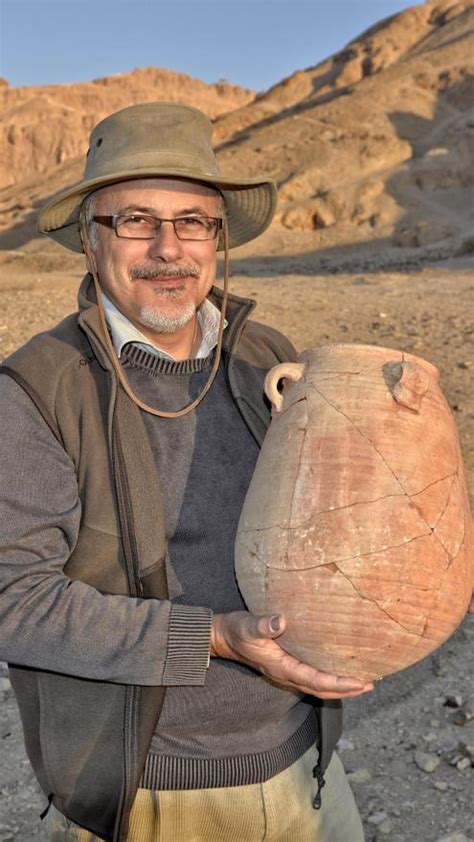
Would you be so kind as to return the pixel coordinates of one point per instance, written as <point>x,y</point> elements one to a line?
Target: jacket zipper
<point>132,692</point>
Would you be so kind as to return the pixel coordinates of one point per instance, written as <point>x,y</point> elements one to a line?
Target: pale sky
<point>253,43</point>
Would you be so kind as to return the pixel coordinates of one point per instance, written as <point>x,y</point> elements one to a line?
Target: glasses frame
<point>111,222</point>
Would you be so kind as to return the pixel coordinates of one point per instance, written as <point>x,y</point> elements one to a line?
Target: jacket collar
<point>237,313</point>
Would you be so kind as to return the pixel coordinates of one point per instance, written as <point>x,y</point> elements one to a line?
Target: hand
<point>241,636</point>
<point>470,608</point>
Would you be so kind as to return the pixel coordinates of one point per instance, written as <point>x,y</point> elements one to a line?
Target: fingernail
<point>274,623</point>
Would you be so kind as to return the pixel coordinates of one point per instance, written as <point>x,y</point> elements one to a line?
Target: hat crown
<point>152,135</point>
<point>159,140</point>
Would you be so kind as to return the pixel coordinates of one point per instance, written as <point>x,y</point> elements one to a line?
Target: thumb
<point>272,625</point>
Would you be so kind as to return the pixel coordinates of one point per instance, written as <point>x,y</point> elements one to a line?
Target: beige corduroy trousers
<point>278,810</point>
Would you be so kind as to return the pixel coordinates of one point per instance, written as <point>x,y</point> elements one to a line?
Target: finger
<point>349,695</point>
<point>322,694</point>
<point>364,687</point>
<point>305,675</point>
<point>270,626</point>
<point>327,694</point>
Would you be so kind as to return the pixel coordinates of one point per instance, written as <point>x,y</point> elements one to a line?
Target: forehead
<point>157,192</point>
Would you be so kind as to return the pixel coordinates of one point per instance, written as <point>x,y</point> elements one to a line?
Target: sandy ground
<point>409,745</point>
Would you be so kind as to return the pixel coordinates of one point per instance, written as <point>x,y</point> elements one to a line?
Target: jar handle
<point>408,382</point>
<point>289,371</point>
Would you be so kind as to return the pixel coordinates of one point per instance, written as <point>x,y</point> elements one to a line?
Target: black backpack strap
<point>329,713</point>
<point>33,395</point>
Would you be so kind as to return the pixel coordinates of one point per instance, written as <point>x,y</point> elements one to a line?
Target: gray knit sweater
<point>238,728</point>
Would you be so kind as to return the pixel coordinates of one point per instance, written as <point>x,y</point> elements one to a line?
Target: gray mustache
<point>166,270</point>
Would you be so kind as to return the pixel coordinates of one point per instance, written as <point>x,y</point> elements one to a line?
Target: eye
<point>135,223</point>
<point>191,222</point>
<point>135,219</point>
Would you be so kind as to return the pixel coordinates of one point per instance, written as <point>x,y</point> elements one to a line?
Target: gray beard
<point>163,323</point>
<point>150,316</point>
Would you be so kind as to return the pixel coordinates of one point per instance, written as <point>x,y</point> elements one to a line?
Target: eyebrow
<point>195,209</point>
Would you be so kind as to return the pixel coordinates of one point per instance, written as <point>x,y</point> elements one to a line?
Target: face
<point>157,284</point>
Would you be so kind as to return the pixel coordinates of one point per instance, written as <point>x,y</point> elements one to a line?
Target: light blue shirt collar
<point>123,331</point>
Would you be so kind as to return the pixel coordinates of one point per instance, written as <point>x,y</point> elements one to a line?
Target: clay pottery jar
<point>356,525</point>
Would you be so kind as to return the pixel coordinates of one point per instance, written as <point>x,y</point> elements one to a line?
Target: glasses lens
<point>136,226</point>
<point>195,227</point>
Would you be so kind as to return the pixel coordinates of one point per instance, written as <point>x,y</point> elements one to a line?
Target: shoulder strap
<point>33,395</point>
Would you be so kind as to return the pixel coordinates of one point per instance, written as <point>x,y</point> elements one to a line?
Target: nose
<point>166,245</point>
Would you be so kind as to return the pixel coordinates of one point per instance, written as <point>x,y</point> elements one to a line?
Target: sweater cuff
<point>189,636</point>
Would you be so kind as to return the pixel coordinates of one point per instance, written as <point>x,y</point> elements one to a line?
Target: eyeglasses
<point>133,226</point>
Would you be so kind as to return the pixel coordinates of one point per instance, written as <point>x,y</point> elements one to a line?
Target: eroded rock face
<point>356,524</point>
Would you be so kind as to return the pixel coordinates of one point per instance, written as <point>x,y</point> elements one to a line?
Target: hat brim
<point>250,205</point>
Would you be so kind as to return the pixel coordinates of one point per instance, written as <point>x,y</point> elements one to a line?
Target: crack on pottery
<point>342,558</point>
<point>364,435</point>
<point>447,501</point>
<point>381,551</point>
<point>454,475</point>
<point>317,514</point>
<point>279,413</point>
<point>334,376</point>
<point>314,515</point>
<point>397,479</point>
<point>409,653</point>
<point>377,603</point>
<point>342,508</point>
<point>430,484</point>
<point>461,545</point>
<point>450,556</point>
<point>433,528</point>
<point>304,430</point>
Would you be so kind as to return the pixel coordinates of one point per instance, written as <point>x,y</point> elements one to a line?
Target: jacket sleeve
<point>52,622</point>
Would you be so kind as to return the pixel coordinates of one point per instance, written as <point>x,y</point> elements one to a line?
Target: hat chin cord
<point>215,367</point>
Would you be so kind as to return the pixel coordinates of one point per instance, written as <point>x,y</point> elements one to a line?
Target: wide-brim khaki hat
<point>159,139</point>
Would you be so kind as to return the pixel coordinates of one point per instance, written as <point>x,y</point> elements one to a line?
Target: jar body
<point>356,524</point>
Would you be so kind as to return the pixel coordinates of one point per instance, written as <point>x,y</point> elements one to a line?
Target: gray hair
<point>88,211</point>
<point>86,219</point>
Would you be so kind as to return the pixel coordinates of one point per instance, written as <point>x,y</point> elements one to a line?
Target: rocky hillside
<point>45,126</point>
<point>376,142</point>
<point>373,149</point>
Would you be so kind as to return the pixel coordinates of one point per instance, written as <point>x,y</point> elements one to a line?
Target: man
<point>130,435</point>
